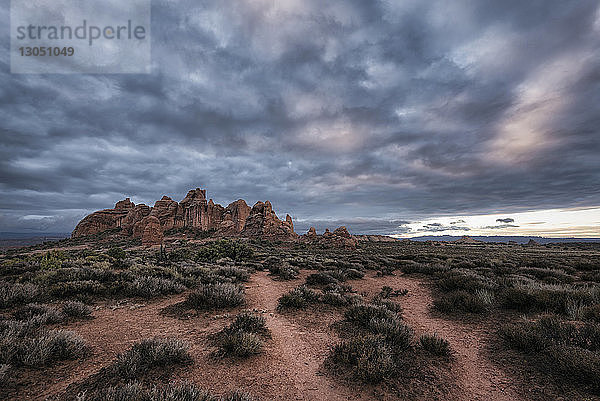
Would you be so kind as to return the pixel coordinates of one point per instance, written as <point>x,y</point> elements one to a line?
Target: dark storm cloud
<point>506,220</point>
<point>336,112</point>
<point>499,227</point>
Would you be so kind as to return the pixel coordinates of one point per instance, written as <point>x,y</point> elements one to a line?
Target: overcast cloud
<point>371,113</point>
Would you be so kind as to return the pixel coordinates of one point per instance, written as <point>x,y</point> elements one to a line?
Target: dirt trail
<point>290,368</point>
<point>479,378</point>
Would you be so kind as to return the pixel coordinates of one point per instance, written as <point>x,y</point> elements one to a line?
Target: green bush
<point>216,296</point>
<point>46,314</point>
<point>224,249</point>
<point>435,345</point>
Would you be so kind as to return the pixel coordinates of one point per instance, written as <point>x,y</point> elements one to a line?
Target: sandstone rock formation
<point>263,222</point>
<point>152,234</point>
<point>378,238</point>
<point>194,211</point>
<point>339,238</point>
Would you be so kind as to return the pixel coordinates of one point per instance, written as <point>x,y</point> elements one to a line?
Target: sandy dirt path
<point>291,366</point>
<point>478,378</point>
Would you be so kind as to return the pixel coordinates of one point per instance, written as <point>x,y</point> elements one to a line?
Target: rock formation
<point>263,222</point>
<point>194,211</point>
<point>339,238</point>
<point>152,234</point>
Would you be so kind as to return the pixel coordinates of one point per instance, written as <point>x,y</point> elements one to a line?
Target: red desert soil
<point>291,366</point>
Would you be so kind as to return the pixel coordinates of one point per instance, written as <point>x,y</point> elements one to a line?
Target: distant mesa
<point>195,211</point>
<point>532,242</point>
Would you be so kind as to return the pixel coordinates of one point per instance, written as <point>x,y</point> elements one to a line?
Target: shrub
<point>149,354</point>
<point>283,270</point>
<point>240,343</point>
<point>17,294</point>
<point>148,287</point>
<point>353,274</point>
<point>26,344</point>
<point>224,249</point>
<point>299,298</point>
<point>320,278</point>
<point>370,357</point>
<point>591,313</point>
<point>460,301</point>
<point>248,322</point>
<point>234,272</point>
<point>362,314</point>
<point>135,391</point>
<point>76,310</point>
<point>46,314</point>
<point>396,334</point>
<point>216,296</point>
<point>334,299</point>
<point>72,288</point>
<point>435,345</point>
<point>116,253</point>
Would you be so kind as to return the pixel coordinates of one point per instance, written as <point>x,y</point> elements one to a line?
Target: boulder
<point>262,222</point>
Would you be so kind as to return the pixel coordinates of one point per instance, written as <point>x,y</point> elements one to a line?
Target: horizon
<point>386,117</point>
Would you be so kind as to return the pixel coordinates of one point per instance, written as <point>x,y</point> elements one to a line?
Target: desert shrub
<point>116,253</point>
<point>435,345</point>
<point>73,288</point>
<point>548,298</point>
<point>224,249</point>
<point>429,269</point>
<point>299,298</point>
<point>396,334</point>
<point>454,281</point>
<point>216,296</point>
<point>283,270</point>
<point>248,322</point>
<point>136,391</point>
<point>334,299</point>
<point>320,278</point>
<point>389,304</point>
<point>548,275</point>
<point>148,287</point>
<point>4,368</point>
<point>76,310</point>
<point>460,301</point>
<point>370,357</point>
<point>46,314</point>
<point>51,260</point>
<point>575,363</point>
<point>240,343</point>
<point>591,313</point>
<point>236,273</point>
<point>25,343</point>
<point>354,274</point>
<point>361,314</point>
<point>12,294</point>
<point>149,354</point>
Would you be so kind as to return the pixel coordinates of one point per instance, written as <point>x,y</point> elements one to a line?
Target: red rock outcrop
<point>103,220</point>
<point>262,222</point>
<point>153,234</point>
<point>339,238</point>
<point>237,219</point>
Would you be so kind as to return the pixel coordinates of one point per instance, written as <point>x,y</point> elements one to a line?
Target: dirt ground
<point>291,367</point>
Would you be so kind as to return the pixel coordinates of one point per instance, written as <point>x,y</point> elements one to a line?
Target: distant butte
<point>194,211</point>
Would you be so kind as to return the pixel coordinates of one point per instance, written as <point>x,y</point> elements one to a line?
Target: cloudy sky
<point>396,117</point>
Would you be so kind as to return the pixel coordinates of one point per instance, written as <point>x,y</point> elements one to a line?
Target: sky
<point>391,117</point>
